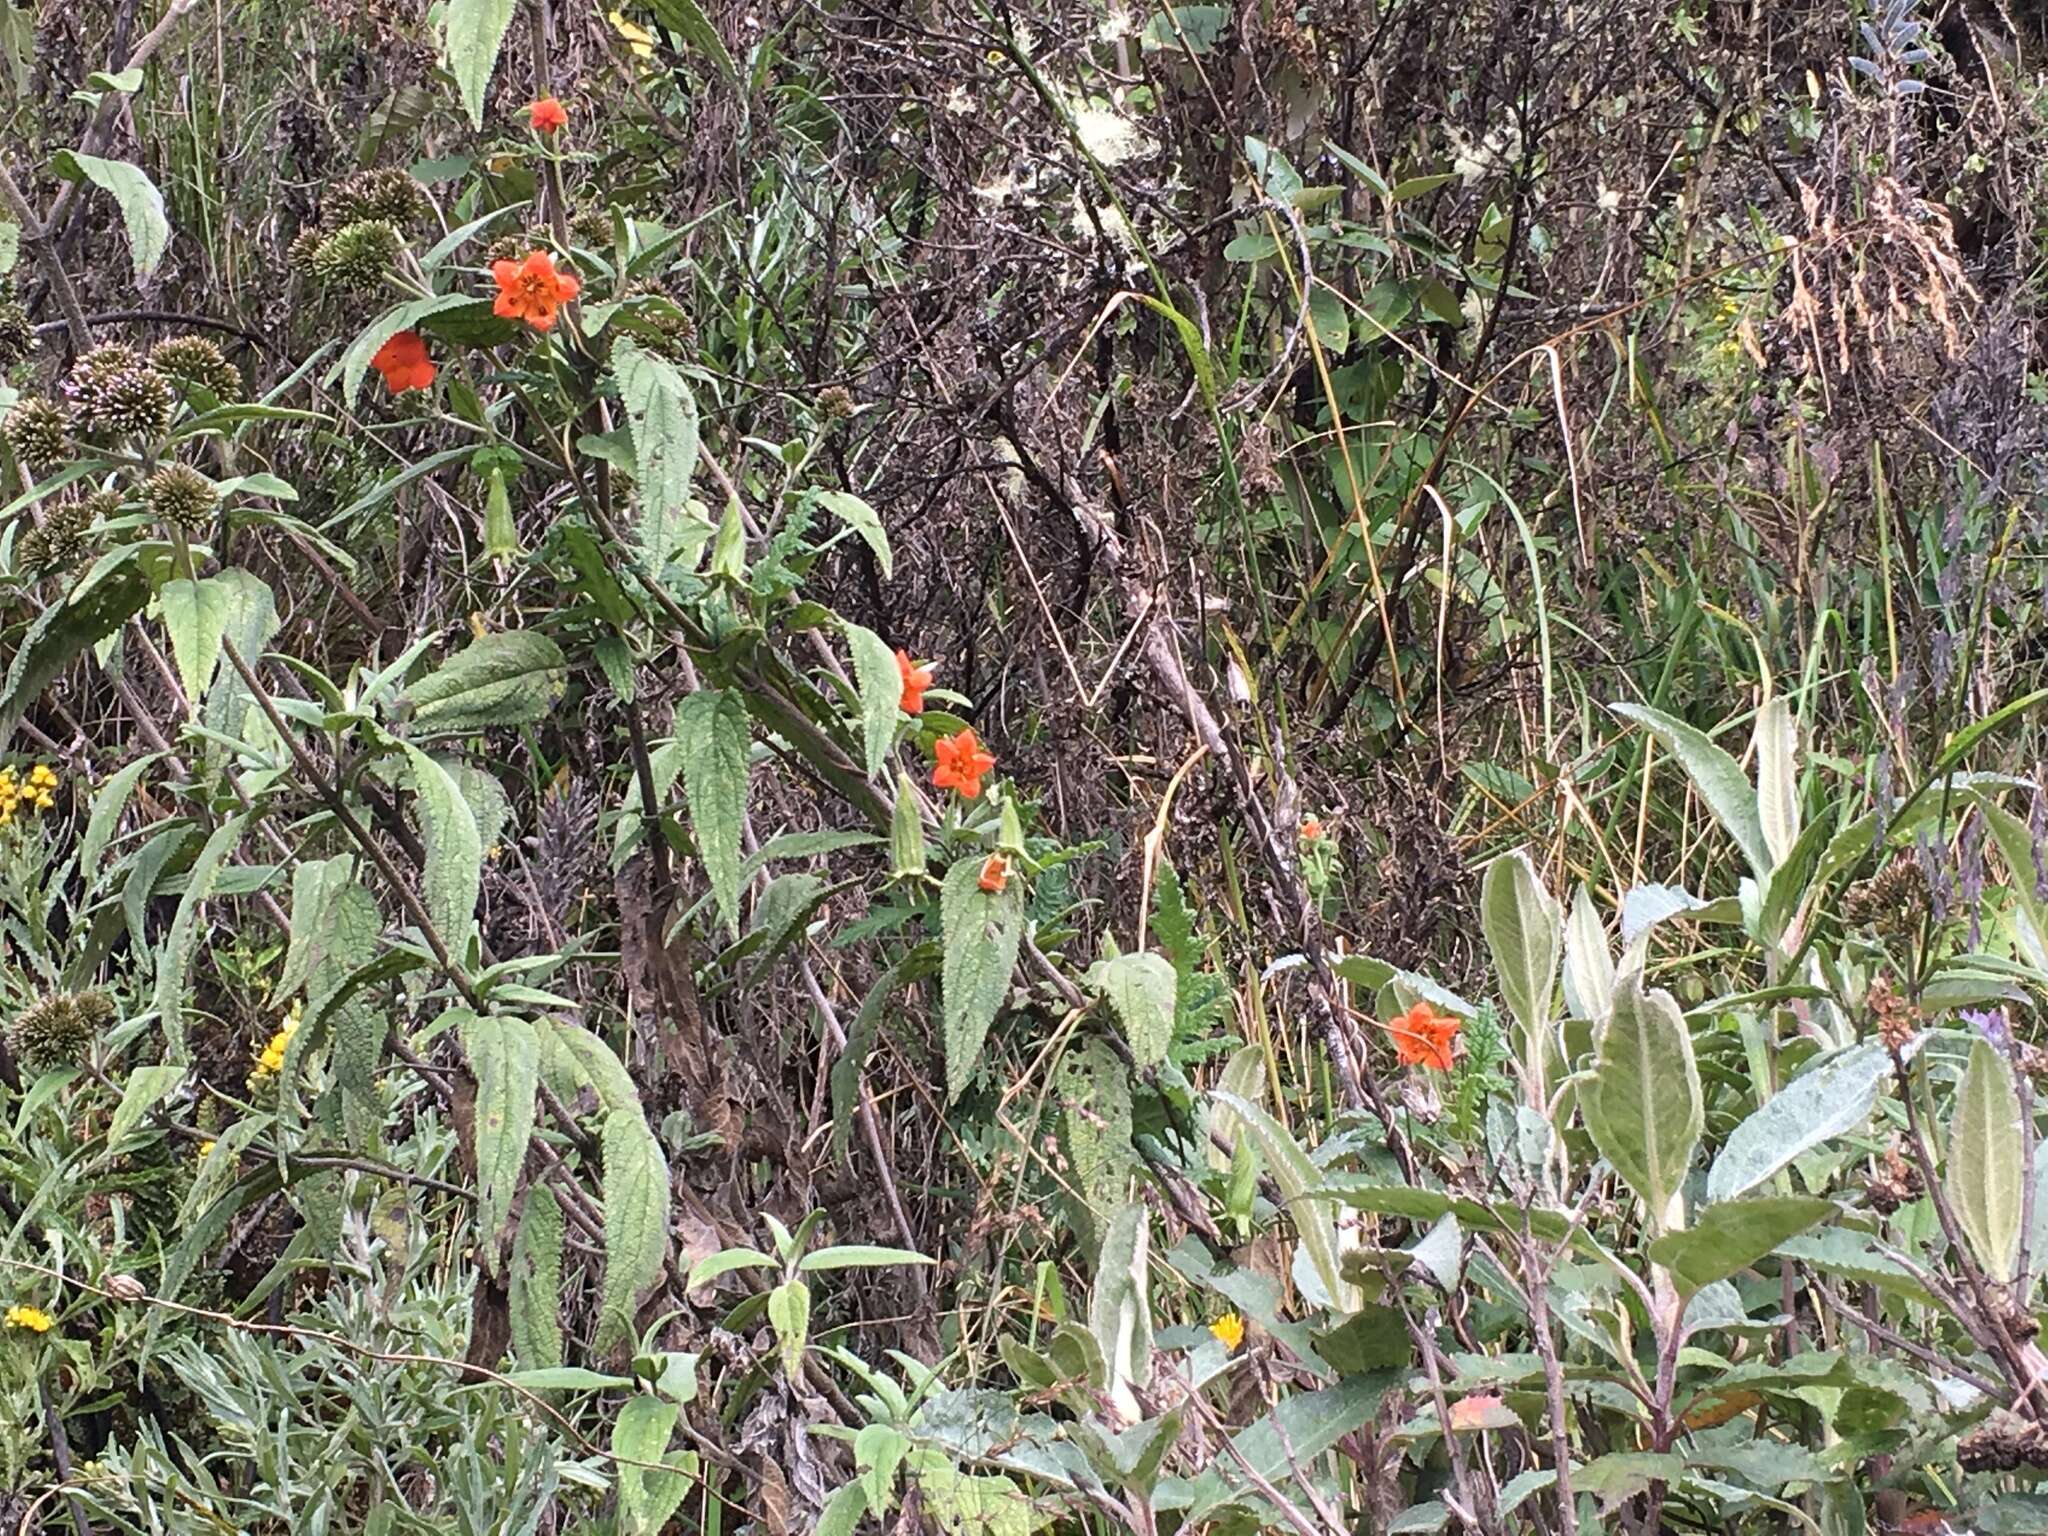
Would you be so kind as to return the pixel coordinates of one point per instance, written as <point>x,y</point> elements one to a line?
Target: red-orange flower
<point>995,874</point>
<point>1311,830</point>
<point>547,115</point>
<point>915,680</point>
<point>532,290</point>
<point>962,763</point>
<point>1425,1038</point>
<point>404,363</point>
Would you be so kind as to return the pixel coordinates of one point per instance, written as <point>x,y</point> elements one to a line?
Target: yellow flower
<point>271,1061</point>
<point>638,38</point>
<point>1230,1329</point>
<point>205,1150</point>
<point>32,1319</point>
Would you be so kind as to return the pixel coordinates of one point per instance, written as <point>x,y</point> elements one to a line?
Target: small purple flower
<point>1991,1024</point>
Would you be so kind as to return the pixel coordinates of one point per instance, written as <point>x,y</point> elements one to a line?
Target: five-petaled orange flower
<point>1425,1038</point>
<point>532,290</point>
<point>962,763</point>
<point>404,363</point>
<point>995,874</point>
<point>547,115</point>
<point>915,680</point>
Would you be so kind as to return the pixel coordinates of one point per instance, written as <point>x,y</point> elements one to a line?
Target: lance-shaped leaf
<point>983,931</point>
<point>1642,1099</point>
<point>1717,776</point>
<point>663,415</point>
<point>881,692</point>
<point>1120,1309</point>
<point>1985,1161</point>
<point>711,729</point>
<point>1140,988</point>
<point>1732,1236</point>
<point>512,677</point>
<point>1824,1102</point>
<point>142,205</point>
<point>473,34</point>
<point>1588,963</point>
<point>1524,929</point>
<point>1777,776</point>
<point>504,1053</point>
<point>636,1202</point>
<point>453,875</point>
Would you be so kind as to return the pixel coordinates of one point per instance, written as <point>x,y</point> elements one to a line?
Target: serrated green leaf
<point>142,205</point>
<point>880,683</point>
<point>641,1434</point>
<point>711,730</point>
<point>536,1282</point>
<point>1094,1094</point>
<point>983,931</point>
<point>1642,1099</point>
<point>504,1054</point>
<point>473,33</point>
<point>636,1202</point>
<point>196,615</point>
<point>1717,776</point>
<point>663,415</point>
<point>1140,988</point>
<point>1827,1100</point>
<point>453,875</point>
<point>510,677</point>
<point>863,520</point>
<point>114,592</point>
<point>146,1088</point>
<point>1986,1160</point>
<point>174,963</point>
<point>109,801</point>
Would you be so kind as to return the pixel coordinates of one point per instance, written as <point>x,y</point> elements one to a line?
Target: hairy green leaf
<point>174,965</point>
<point>1777,776</point>
<point>511,677</point>
<point>1985,1178</point>
<point>663,415</point>
<point>473,33</point>
<point>1642,1100</point>
<point>641,1434</point>
<point>1824,1102</point>
<point>1732,1236</point>
<point>1140,987</point>
<point>1524,930</point>
<point>536,1281</point>
<point>112,593</point>
<point>455,855</point>
<point>1588,963</point>
<point>881,692</point>
<point>636,1201</point>
<point>687,20</point>
<point>711,729</point>
<point>504,1053</point>
<point>863,520</point>
<point>983,931</point>
<point>1718,777</point>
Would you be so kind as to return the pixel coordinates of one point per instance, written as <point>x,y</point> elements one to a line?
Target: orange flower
<point>962,762</point>
<point>1425,1038</point>
<point>1311,830</point>
<point>404,363</point>
<point>995,874</point>
<point>915,680</point>
<point>547,115</point>
<point>532,290</point>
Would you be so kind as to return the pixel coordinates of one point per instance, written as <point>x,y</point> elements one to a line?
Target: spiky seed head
<point>195,360</point>
<point>357,255</point>
<point>386,195</point>
<point>17,334</point>
<point>180,495</point>
<point>39,432</point>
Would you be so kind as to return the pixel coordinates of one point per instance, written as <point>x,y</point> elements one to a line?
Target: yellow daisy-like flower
<point>29,1319</point>
<point>638,38</point>
<point>1230,1329</point>
<point>205,1150</point>
<point>271,1061</point>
